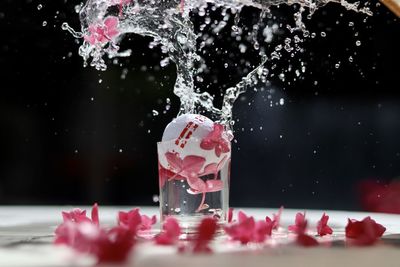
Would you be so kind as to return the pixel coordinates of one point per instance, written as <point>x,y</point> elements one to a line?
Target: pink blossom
<point>363,233</point>
<point>79,216</point>
<point>300,224</point>
<point>277,218</point>
<point>300,228</point>
<point>248,230</point>
<point>206,231</point>
<point>135,221</point>
<point>114,246</point>
<point>323,227</point>
<point>107,246</point>
<point>215,140</point>
<point>170,234</point>
<point>103,33</point>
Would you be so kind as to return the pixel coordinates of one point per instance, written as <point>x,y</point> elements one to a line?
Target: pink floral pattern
<point>189,168</point>
<point>104,32</point>
<point>215,140</point>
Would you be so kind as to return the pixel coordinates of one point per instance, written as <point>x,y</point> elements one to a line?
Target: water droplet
<point>323,34</point>
<point>44,23</point>
<point>281,101</point>
<point>177,210</point>
<point>64,26</point>
<point>39,7</point>
<point>156,198</point>
<point>120,150</point>
<point>358,43</point>
<point>155,113</point>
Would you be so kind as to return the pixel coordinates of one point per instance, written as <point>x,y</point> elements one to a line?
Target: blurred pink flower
<point>378,197</point>
<point>135,221</point>
<point>170,234</point>
<point>206,232</point>
<point>79,216</point>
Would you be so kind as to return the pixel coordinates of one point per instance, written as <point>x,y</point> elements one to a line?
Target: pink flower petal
<point>131,219</point>
<point>170,234</point>
<point>214,185</point>
<point>363,233</point>
<point>147,222</point>
<point>322,226</point>
<point>111,22</point>
<point>230,215</point>
<point>306,240</point>
<point>95,214</point>
<point>277,218</point>
<point>206,232</point>
<point>300,224</point>
<point>248,230</point>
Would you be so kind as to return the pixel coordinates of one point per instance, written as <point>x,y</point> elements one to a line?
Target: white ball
<point>188,126</point>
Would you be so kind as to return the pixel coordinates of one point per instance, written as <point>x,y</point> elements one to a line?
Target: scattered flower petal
<point>277,218</point>
<point>106,246</point>
<point>306,240</point>
<point>322,226</point>
<point>248,230</point>
<point>170,234</point>
<point>206,232</point>
<point>300,224</point>
<point>115,245</point>
<point>133,220</point>
<point>79,216</point>
<point>363,233</point>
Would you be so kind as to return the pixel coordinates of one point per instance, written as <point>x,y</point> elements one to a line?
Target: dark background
<point>66,138</point>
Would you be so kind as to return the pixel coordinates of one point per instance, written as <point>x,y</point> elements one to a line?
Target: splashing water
<point>105,22</point>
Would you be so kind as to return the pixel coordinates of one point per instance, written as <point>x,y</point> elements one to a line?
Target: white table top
<point>26,234</point>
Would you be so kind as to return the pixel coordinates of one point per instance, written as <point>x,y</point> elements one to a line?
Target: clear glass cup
<point>194,183</point>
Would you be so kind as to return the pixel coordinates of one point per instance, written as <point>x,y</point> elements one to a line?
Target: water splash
<point>106,22</point>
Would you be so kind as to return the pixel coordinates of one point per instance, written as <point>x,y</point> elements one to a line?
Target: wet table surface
<point>26,235</point>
